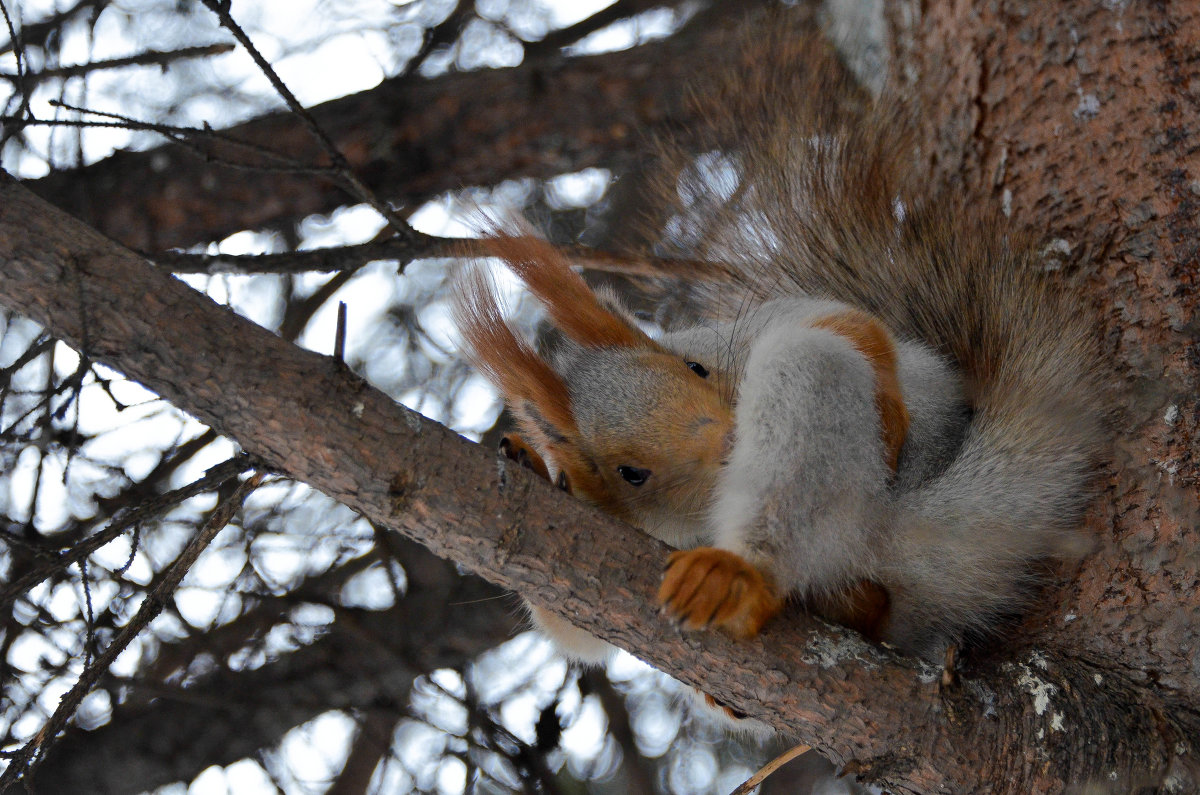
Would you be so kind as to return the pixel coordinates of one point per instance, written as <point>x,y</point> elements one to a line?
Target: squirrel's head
<point>618,419</point>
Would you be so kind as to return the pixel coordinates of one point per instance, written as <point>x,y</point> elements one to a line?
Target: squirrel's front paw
<point>711,587</point>
<point>514,448</point>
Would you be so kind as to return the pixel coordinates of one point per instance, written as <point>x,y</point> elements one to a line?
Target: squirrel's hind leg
<point>870,338</point>
<point>803,495</point>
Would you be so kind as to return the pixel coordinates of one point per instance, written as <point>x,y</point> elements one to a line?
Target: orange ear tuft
<point>504,358</point>
<point>572,305</point>
<point>536,394</point>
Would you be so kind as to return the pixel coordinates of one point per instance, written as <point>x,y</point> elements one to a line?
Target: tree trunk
<point>1084,119</point>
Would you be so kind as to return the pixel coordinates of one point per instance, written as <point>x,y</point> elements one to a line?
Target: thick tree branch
<point>408,140</point>
<point>322,425</point>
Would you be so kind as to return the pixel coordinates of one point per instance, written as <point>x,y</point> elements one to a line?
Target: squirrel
<point>891,408</point>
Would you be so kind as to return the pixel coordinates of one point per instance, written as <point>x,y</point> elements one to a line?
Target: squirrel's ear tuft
<point>534,392</point>
<point>507,360</point>
<point>573,307</point>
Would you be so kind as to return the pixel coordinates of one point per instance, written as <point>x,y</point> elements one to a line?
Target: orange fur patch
<point>537,395</point>
<point>712,702</point>
<point>864,608</point>
<point>872,340</point>
<point>712,587</point>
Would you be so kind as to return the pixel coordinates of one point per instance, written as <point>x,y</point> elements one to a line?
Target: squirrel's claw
<point>729,711</point>
<point>514,448</point>
<point>712,587</point>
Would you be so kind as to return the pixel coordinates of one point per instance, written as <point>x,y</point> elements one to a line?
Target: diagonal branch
<point>422,246</point>
<point>409,139</point>
<point>160,58</point>
<point>557,39</point>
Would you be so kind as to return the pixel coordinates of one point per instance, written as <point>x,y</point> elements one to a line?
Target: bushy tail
<point>809,186</point>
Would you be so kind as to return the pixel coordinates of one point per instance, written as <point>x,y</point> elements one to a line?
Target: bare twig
<point>7,131</point>
<point>370,745</point>
<point>421,246</point>
<point>769,768</point>
<point>184,137</point>
<point>339,336</point>
<point>298,313</point>
<point>341,258</point>
<point>160,58</point>
<point>37,34</point>
<point>44,405</point>
<point>42,344</point>
<point>445,33</point>
<point>557,39</point>
<point>14,42</point>
<point>340,164</point>
<point>639,770</point>
<point>24,761</point>
<point>529,765</point>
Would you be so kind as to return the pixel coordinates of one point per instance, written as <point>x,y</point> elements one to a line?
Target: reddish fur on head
<point>535,393</point>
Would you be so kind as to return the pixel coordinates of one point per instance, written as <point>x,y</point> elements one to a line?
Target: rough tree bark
<point>1083,118</point>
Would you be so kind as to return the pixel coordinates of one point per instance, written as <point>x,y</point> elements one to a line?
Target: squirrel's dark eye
<point>633,475</point>
<point>698,369</point>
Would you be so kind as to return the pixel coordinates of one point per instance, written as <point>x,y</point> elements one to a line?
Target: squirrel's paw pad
<point>712,587</point>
